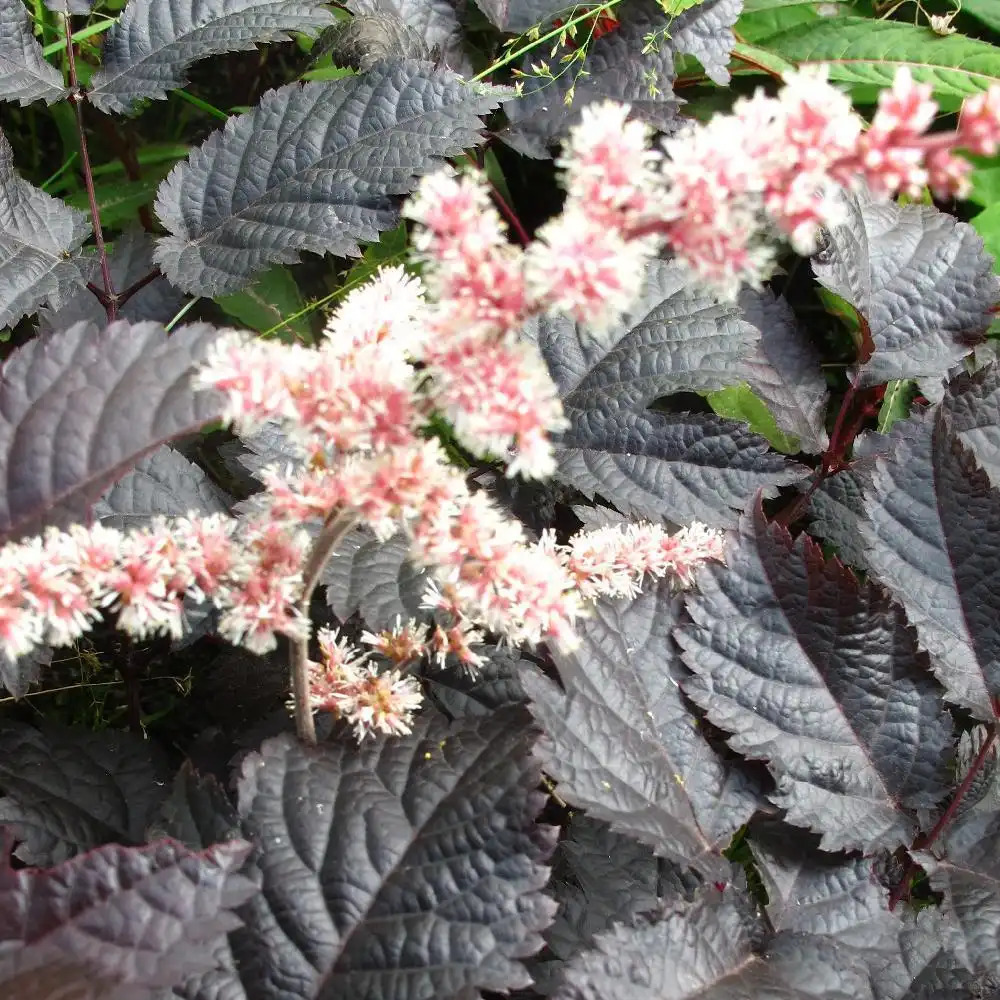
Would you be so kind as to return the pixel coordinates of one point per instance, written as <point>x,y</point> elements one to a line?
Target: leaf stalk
<point>925,840</point>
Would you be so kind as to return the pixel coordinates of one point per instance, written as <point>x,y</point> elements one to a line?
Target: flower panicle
<point>613,561</point>
<point>54,587</point>
<point>345,682</point>
<point>716,194</point>
<point>607,562</point>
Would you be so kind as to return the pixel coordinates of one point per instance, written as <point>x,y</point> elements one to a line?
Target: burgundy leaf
<point>409,868</point>
<point>820,676</point>
<point>921,281</point>
<point>933,539</point>
<point>118,923</point>
<point>707,950</point>
<point>78,408</point>
<point>622,742</point>
<point>69,790</point>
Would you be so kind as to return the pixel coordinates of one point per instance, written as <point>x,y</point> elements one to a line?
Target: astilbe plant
<point>760,754</point>
<point>355,407</point>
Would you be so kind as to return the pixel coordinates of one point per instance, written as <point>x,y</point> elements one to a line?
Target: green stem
<point>554,33</point>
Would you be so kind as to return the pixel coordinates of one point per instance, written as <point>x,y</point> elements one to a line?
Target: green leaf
<point>846,314</point>
<point>739,403</point>
<point>330,72</point>
<point>987,11</point>
<point>64,119</point>
<point>79,36</point>
<point>761,59</point>
<point>899,394</point>
<point>862,51</point>
<point>987,224</point>
<point>390,250</point>
<point>674,7</point>
<point>118,200</point>
<point>841,309</point>
<point>756,6</point>
<point>771,21</point>
<point>924,198</point>
<point>155,154</point>
<point>985,180</point>
<point>272,302</point>
<point>197,102</point>
<point>495,175</point>
<point>152,153</point>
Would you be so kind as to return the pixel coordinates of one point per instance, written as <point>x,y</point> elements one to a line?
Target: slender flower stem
<point>77,98</point>
<point>130,676</point>
<point>515,54</point>
<point>331,535</point>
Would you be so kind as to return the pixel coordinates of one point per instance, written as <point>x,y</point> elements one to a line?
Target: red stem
<point>977,765</point>
<point>925,840</point>
<point>505,210</point>
<point>138,286</point>
<point>510,215</point>
<point>871,401</point>
<point>832,459</point>
<point>77,97</point>
<point>835,452</point>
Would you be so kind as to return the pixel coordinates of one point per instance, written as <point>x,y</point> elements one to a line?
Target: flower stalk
<point>332,534</point>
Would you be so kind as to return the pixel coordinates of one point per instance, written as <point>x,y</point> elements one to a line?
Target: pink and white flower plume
<point>400,352</point>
